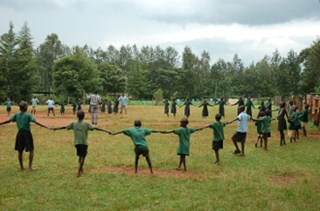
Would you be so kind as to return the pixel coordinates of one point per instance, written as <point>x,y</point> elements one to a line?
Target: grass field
<point>284,178</point>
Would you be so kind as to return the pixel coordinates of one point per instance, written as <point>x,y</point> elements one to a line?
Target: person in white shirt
<point>95,100</point>
<point>123,103</point>
<point>50,103</point>
<point>34,103</point>
<point>242,129</point>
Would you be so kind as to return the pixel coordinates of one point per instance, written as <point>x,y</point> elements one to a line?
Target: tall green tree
<point>309,57</point>
<point>22,76</point>
<point>49,51</point>
<point>75,75</point>
<point>8,45</point>
<point>112,78</point>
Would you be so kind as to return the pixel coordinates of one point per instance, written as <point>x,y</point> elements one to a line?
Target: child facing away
<point>242,129</point>
<point>218,135</point>
<point>184,133</point>
<point>258,124</point>
<point>304,117</point>
<point>80,129</point>
<point>166,107</point>
<point>282,124</point>
<point>137,135</point>
<point>24,139</point>
<point>294,124</point>
<point>265,127</point>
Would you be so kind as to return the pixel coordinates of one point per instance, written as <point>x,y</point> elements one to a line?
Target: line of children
<point>24,140</point>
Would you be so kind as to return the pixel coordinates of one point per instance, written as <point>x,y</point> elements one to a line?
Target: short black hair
<point>137,123</point>
<point>80,114</point>
<point>218,117</point>
<point>23,106</point>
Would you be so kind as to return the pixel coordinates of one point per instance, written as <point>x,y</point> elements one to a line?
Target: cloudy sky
<point>250,28</point>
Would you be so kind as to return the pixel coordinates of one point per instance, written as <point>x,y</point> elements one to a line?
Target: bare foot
<point>22,169</point>
<point>217,162</point>
<point>178,169</point>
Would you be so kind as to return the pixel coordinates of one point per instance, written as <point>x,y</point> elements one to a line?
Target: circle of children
<point>24,139</point>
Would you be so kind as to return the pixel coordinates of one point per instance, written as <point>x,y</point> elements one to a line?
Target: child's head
<point>282,104</point>
<point>241,108</point>
<point>261,113</point>
<point>218,117</point>
<point>184,122</point>
<point>268,112</point>
<point>23,106</point>
<point>80,115</point>
<point>137,123</point>
<point>306,106</point>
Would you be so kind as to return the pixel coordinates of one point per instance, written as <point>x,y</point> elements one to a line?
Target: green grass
<point>284,178</point>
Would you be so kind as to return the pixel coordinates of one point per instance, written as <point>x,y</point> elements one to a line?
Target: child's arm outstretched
<point>59,128</point>
<point>116,133</point>
<point>41,125</point>
<point>167,131</point>
<point>5,122</point>
<point>103,130</point>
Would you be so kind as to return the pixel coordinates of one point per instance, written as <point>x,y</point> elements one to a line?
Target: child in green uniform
<point>137,135</point>
<point>24,139</point>
<point>218,135</point>
<point>294,124</point>
<point>184,141</point>
<point>62,108</point>
<point>8,103</point>
<point>258,124</point>
<point>304,117</point>
<point>265,127</point>
<point>80,129</point>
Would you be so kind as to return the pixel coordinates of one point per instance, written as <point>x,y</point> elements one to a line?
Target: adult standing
<point>50,103</point>
<point>123,103</point>
<point>95,100</point>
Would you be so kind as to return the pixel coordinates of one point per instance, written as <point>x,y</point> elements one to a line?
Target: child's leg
<point>216,152</point>
<point>261,139</point>
<point>81,162</point>
<point>30,159</point>
<point>242,148</point>
<point>304,131</point>
<point>184,162</point>
<point>149,163</point>
<point>265,143</point>
<point>180,162</point>
<point>297,134</point>
<point>237,148</point>
<point>136,163</point>
<point>20,158</point>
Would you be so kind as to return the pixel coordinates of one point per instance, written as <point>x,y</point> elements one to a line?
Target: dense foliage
<point>75,71</point>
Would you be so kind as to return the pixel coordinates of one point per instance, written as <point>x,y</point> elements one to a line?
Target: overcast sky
<point>250,28</point>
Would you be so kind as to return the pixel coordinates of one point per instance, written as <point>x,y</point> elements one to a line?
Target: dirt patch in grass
<point>283,179</point>
<point>189,174</point>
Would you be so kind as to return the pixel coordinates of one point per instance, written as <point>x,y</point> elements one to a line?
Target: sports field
<point>283,178</point>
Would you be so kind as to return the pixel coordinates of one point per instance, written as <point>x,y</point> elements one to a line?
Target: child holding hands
<point>24,139</point>
<point>80,129</point>
<point>137,135</point>
<point>184,133</point>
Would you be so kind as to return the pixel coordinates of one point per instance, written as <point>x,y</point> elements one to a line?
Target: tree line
<point>66,71</point>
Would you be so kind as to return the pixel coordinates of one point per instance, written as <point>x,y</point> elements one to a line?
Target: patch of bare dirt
<point>283,179</point>
<point>156,172</point>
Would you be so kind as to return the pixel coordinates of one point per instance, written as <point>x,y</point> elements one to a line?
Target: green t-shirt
<point>137,135</point>
<point>304,116</point>
<point>265,124</point>
<point>217,127</point>
<point>8,103</point>
<point>23,120</point>
<point>184,139</point>
<point>80,129</point>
